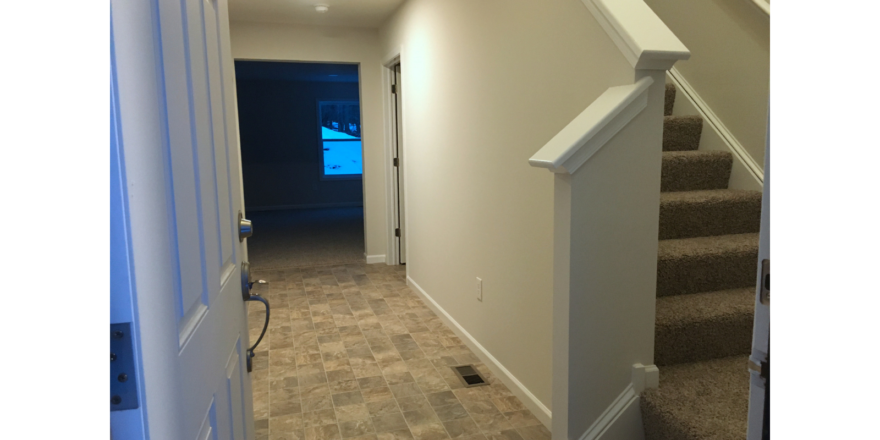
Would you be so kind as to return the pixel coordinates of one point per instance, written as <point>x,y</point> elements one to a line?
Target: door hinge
<point>397,232</point>
<point>765,282</point>
<point>123,380</point>
<point>395,161</point>
<point>393,88</point>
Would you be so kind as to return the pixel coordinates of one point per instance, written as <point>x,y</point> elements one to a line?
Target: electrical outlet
<point>479,289</point>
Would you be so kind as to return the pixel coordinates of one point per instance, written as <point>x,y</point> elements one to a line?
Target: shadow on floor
<point>306,237</point>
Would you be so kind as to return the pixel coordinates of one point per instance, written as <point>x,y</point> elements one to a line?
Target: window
<point>340,133</point>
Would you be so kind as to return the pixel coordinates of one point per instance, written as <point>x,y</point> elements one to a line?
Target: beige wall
<point>265,41</point>
<point>729,66</point>
<point>485,85</point>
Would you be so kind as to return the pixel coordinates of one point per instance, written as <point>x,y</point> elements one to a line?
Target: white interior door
<point>400,224</point>
<point>759,386</point>
<point>177,136</point>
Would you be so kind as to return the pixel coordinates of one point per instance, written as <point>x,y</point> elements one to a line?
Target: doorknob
<point>245,229</point>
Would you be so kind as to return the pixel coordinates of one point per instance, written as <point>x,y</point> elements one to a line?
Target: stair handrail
<point>645,41</point>
<point>592,128</point>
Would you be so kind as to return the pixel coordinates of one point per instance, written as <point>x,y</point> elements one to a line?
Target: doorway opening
<point>302,162</point>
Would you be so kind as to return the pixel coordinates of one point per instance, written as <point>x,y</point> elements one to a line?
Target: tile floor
<point>353,353</point>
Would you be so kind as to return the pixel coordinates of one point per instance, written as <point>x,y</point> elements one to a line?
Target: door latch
<point>765,282</point>
<point>123,380</point>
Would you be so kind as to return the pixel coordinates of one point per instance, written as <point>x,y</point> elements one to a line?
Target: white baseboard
<point>374,259</point>
<point>714,122</point>
<point>621,420</point>
<point>305,206</point>
<point>529,400</point>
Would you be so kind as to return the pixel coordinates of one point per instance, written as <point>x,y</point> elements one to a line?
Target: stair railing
<point>606,164</point>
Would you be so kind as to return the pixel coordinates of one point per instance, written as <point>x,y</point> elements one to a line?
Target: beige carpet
<point>306,237</point>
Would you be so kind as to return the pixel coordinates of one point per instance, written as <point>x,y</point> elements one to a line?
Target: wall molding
<point>374,259</point>
<point>534,405</point>
<point>304,206</point>
<point>618,407</point>
<point>739,152</point>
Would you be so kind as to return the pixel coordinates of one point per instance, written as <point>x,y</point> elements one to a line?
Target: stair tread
<point>709,196</point>
<point>678,309</point>
<point>704,246</point>
<point>700,400</point>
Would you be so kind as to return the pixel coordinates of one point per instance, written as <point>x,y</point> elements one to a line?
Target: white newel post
<point>607,164</point>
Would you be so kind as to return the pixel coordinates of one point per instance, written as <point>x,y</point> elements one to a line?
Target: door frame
<point>391,191</point>
<point>364,176</point>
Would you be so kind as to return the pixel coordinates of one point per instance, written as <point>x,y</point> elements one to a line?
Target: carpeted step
<point>682,133</point>
<point>710,212</point>
<point>698,401</point>
<point>669,100</point>
<point>706,264</point>
<point>703,326</point>
<point>695,170</point>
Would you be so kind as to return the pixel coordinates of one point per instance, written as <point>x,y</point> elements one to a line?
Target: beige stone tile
<point>420,416</point>
<point>356,428</point>
<point>484,406</point>
<point>393,421</point>
<point>350,398</point>
<point>309,391</point>
<point>399,378</point>
<point>401,434</point>
<point>509,434</point>
<point>312,379</point>
<point>343,386</point>
<point>523,418</point>
<point>539,432</point>
<point>318,418</point>
<point>352,412</point>
<point>377,393</point>
<point>441,399</point>
<point>492,422</point>
<point>429,431</point>
<point>261,428</point>
<point>414,403</point>
<point>405,390</point>
<point>337,364</point>
<point>461,428</point>
<point>317,403</point>
<point>451,412</point>
<point>340,375</point>
<point>284,407</point>
<point>371,382</point>
<point>508,404</point>
<point>306,369</point>
<point>381,407</point>
<point>326,432</point>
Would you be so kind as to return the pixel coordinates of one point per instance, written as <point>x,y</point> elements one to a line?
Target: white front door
<point>177,137</point>
<point>759,361</point>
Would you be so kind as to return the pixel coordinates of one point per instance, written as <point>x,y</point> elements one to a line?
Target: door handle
<point>245,227</point>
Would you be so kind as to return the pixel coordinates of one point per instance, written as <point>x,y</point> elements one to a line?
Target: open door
<point>400,207</point>
<point>179,204</point>
<point>759,361</point>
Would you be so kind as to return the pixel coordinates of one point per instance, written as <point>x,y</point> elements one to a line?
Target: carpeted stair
<point>706,271</point>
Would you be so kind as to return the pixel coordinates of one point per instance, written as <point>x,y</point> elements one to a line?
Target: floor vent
<point>469,376</point>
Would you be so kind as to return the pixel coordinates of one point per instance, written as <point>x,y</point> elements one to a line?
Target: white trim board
<point>519,390</point>
<point>305,206</point>
<point>714,122</point>
<point>625,409</point>
<point>374,259</point>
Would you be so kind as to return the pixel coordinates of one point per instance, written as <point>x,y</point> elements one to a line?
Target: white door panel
<point>180,144</point>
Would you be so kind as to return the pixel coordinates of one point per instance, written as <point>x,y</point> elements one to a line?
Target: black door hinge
<point>394,88</point>
<point>395,161</point>
<point>397,232</point>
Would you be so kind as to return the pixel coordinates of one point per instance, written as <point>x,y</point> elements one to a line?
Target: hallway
<point>352,352</point>
<point>306,237</point>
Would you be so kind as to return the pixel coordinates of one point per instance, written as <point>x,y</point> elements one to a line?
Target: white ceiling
<point>352,13</point>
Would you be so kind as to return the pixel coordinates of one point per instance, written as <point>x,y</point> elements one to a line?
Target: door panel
<point>193,185</point>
